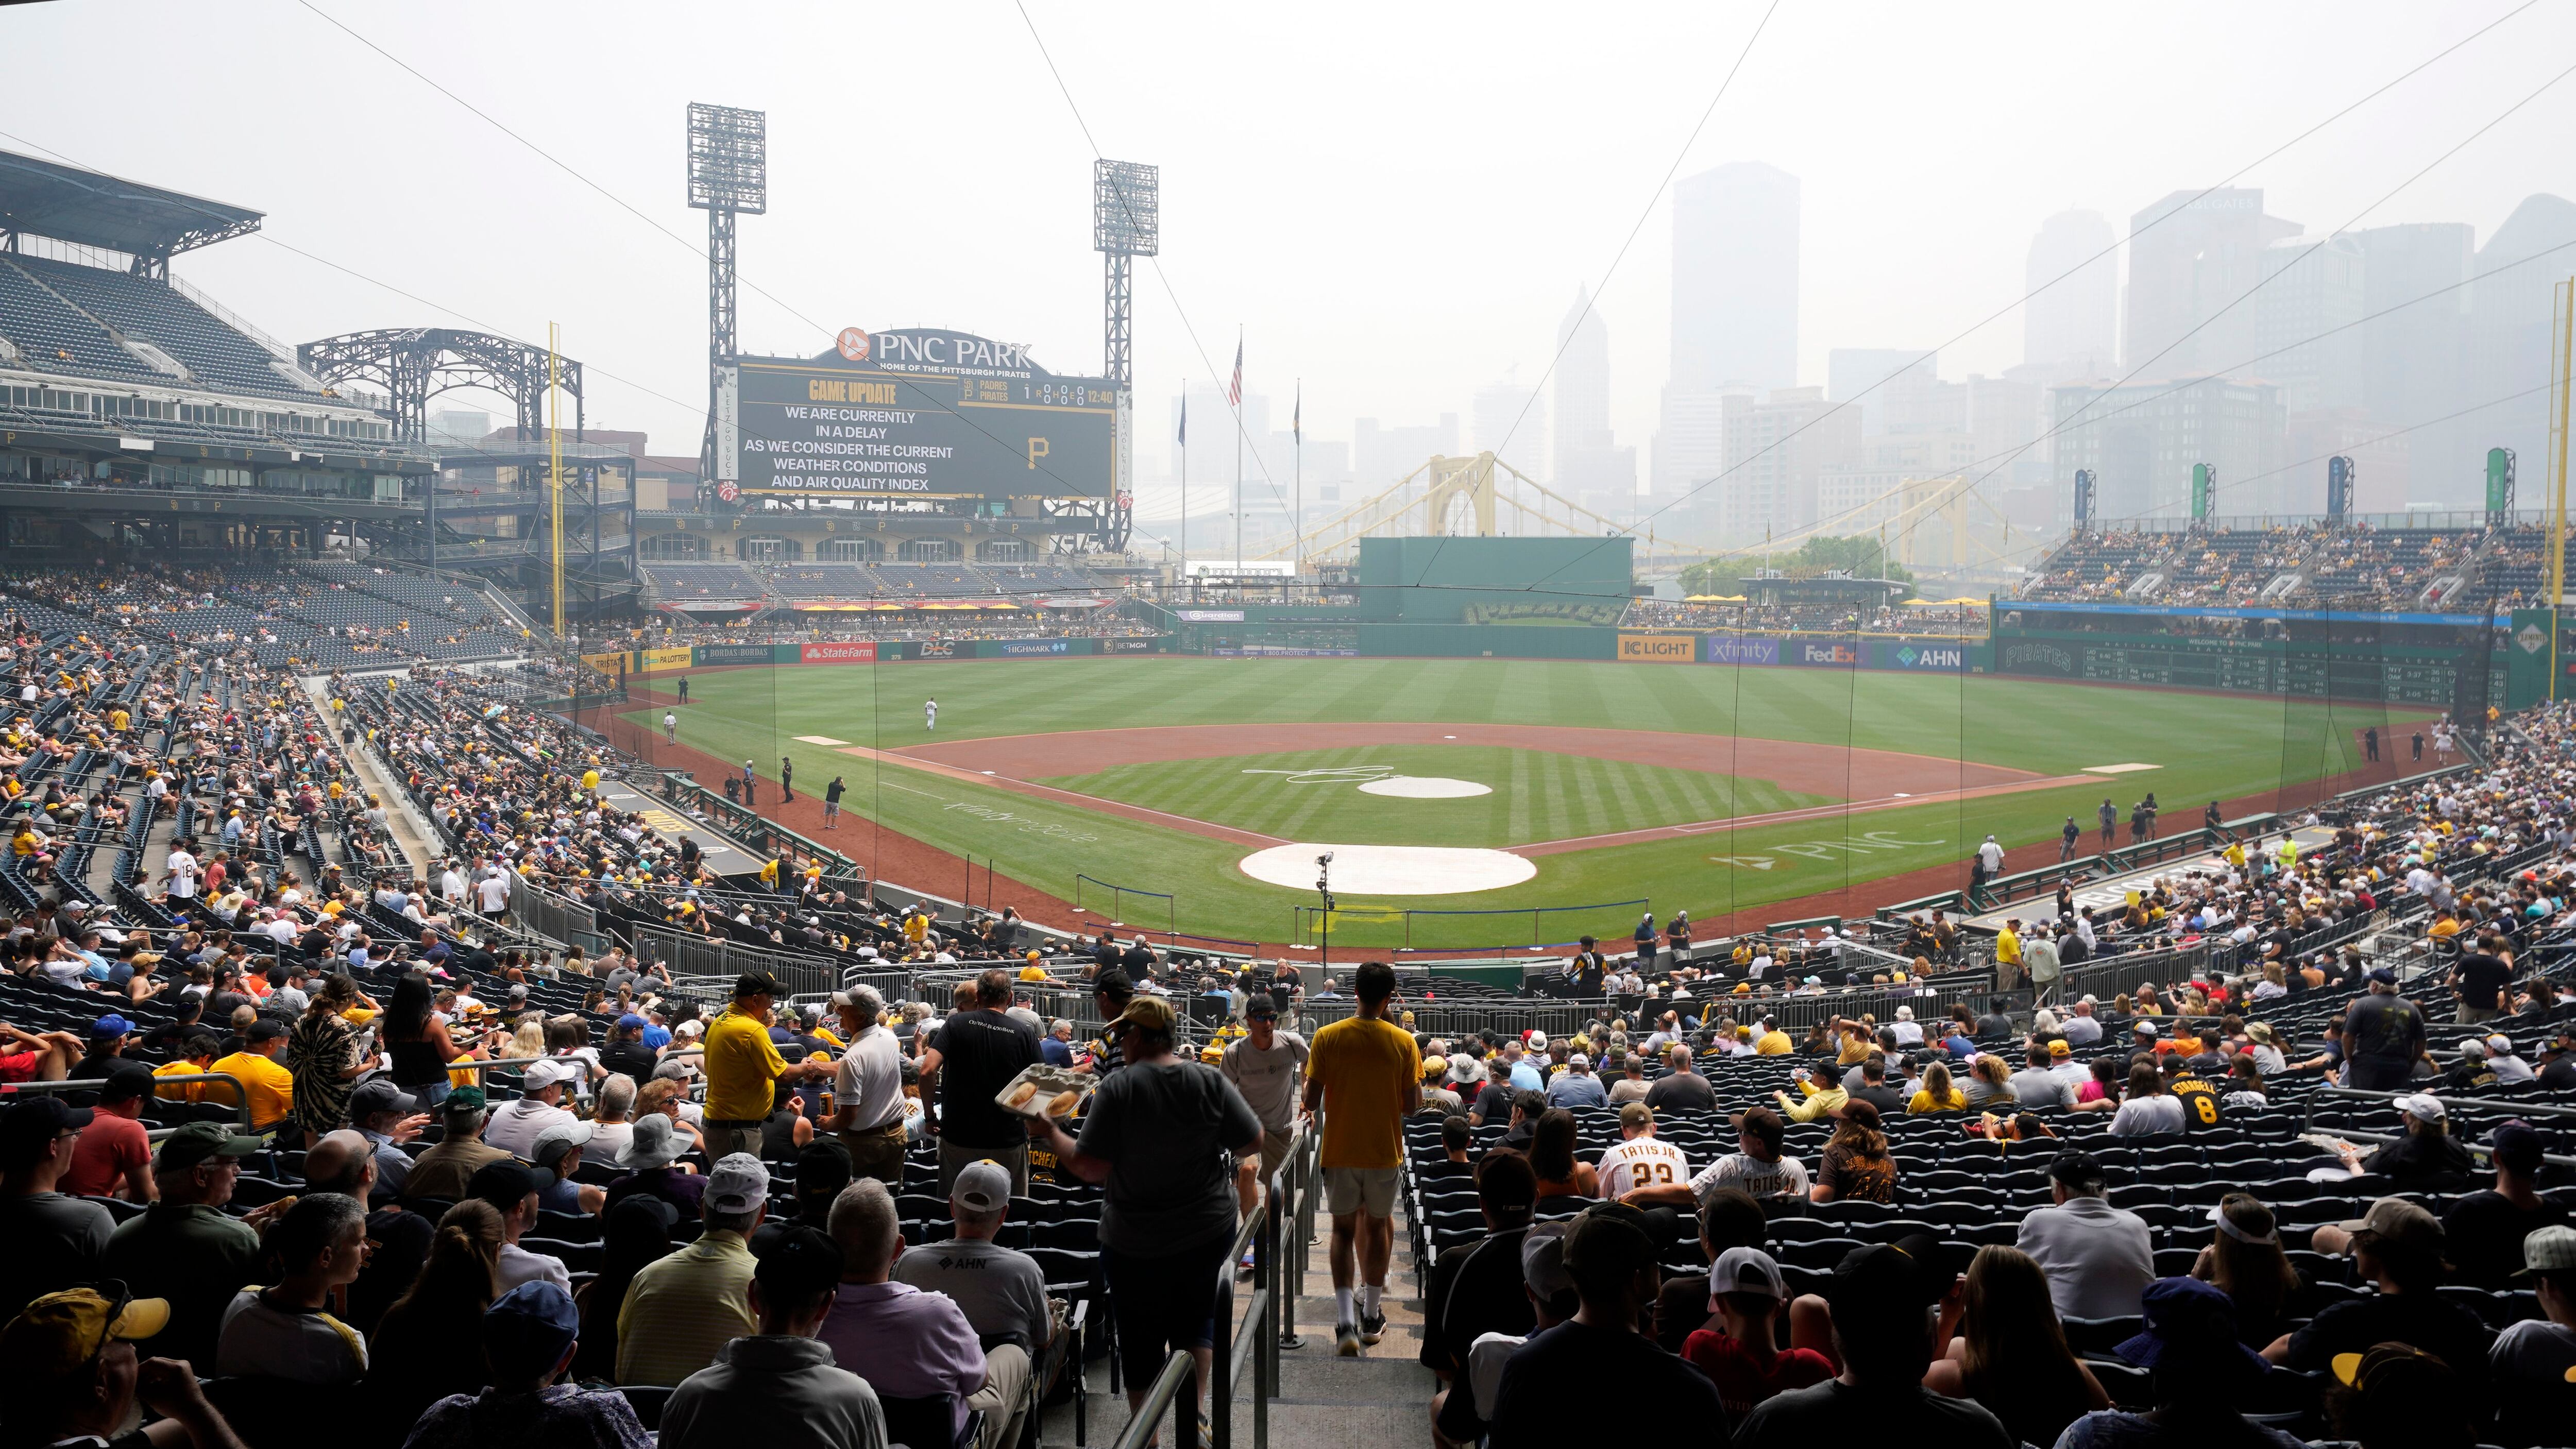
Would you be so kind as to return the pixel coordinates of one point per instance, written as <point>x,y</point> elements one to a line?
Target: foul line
<point>1210,829</point>
<point>1785,817</point>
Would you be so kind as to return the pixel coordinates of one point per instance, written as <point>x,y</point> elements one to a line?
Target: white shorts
<point>1351,1189</point>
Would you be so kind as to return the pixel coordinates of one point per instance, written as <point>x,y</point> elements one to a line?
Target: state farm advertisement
<point>864,652</point>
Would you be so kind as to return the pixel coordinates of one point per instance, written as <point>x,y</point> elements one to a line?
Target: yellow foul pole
<point>554,464</point>
<point>2562,316</point>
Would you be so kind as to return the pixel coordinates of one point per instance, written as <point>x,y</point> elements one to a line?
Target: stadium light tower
<point>1125,225</point>
<point>728,175</point>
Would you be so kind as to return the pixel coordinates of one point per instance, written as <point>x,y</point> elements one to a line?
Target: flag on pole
<point>1184,439</point>
<point>1234,389</point>
<point>1297,415</point>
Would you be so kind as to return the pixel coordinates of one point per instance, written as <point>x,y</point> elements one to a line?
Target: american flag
<point>1234,389</point>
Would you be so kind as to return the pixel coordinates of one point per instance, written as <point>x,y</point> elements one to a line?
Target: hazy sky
<point>1395,201</point>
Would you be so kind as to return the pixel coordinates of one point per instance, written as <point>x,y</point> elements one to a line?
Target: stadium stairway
<point>412,833</point>
<point>1325,1401</point>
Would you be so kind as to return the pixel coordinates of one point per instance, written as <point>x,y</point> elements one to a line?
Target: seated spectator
<point>270,1084</point>
<point>1727,1219</point>
<point>286,1332</point>
<point>1873,1087</point>
<point>2542,1351</point>
<point>2148,1109</point>
<point>1756,1167</point>
<point>58,1241</point>
<point>822,1170</point>
<point>1881,1298</point>
<point>516,1124</point>
<point>412,1348</point>
<point>72,1376</point>
<point>1856,1163</point>
<point>2426,1159</point>
<point>1551,1156</point>
<point>557,1155</point>
<point>397,1238</point>
<point>916,1345</point>
<point>1824,1095</point>
<point>2397,1396</point>
<point>2397,1246</point>
<point>2098,1258</point>
<point>445,1169</point>
<point>1576,1086</point>
<point>1001,1291</point>
<point>1462,1413</point>
<point>529,1335</point>
<point>185,1247</point>
<point>632,1234</point>
<point>615,1122</point>
<point>651,1158</point>
<point>2011,1353</point>
<point>382,1113</point>
<point>1937,1093</point>
<point>2198,1372</point>
<point>1663,1400</point>
<point>2246,1263</point>
<point>2485,1230</point>
<point>512,1189</point>
<point>683,1309</point>
<point>781,1386</point>
<point>1741,1355</point>
<point>1682,1088</point>
<point>114,1156</point>
<point>1476,1290</point>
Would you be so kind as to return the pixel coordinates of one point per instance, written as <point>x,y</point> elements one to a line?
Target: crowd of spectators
<point>2352,564</point>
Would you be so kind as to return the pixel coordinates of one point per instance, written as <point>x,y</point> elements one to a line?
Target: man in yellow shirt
<point>1364,1075</point>
<point>200,1058</point>
<point>271,1086</point>
<point>2008,955</point>
<point>744,1068</point>
<point>1825,1095</point>
<point>1773,1042</point>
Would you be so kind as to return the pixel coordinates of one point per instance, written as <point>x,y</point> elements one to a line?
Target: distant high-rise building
<point>2005,416</point>
<point>2306,321</point>
<point>1382,456</point>
<point>1776,452</point>
<point>2072,327</point>
<point>1587,458</point>
<point>1508,422</point>
<point>1880,382</point>
<point>2140,439</point>
<point>2190,256</point>
<point>2509,352</point>
<point>1735,277</point>
<point>2415,354</point>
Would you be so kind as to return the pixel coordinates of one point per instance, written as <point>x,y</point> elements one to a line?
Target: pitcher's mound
<point>1390,870</point>
<point>1425,787</point>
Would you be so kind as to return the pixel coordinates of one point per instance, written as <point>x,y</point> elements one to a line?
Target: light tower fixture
<point>728,176</point>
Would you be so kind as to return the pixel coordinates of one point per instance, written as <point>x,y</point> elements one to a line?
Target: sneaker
<point>1346,1340</point>
<point>1372,1327</point>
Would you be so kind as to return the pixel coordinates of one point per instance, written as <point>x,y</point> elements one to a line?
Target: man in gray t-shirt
<point>1268,1066</point>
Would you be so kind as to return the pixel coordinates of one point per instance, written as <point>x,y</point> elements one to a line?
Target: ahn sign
<point>1945,657</point>
<point>1658,648</point>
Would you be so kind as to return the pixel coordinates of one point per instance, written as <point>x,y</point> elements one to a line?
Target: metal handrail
<point>241,1093</point>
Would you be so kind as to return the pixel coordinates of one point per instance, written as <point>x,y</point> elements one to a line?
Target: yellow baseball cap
<point>59,1332</point>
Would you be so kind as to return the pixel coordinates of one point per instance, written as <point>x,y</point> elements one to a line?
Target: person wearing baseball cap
<point>74,1376</point>
<point>681,1310</point>
<point>2382,1036</point>
<point>529,1336</point>
<point>518,1123</point>
<point>1613,1263</point>
<point>270,1085</point>
<point>2558,1058</point>
<point>625,1052</point>
<point>2398,1395</point>
<point>2485,1230</point>
<point>512,1189</point>
<point>56,1240</point>
<point>2426,1159</point>
<point>1268,1066</point>
<point>1882,1297</point>
<point>185,1244</point>
<point>2541,1351</point>
<point>1748,1295</point>
<point>1002,1291</point>
<point>744,1068</point>
<point>2398,1246</point>
<point>446,1167</point>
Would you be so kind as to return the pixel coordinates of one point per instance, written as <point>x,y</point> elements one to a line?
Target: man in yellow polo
<point>744,1068</point>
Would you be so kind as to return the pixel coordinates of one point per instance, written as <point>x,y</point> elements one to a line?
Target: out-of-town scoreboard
<point>915,413</point>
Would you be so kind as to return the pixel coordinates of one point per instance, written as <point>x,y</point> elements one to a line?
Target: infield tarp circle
<point>1390,870</point>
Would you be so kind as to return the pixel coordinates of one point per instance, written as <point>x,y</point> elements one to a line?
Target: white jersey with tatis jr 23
<point>1641,1162</point>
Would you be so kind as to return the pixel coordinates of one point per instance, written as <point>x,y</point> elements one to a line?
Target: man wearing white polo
<point>1363,1078</point>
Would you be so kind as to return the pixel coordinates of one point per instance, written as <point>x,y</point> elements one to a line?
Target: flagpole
<point>1184,579</point>
<point>1238,456</point>
<point>1297,525</point>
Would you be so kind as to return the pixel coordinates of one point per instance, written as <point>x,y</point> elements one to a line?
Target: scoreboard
<point>916,413</point>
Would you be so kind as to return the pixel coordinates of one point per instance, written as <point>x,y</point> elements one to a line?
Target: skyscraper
<point>1586,456</point>
<point>2415,352</point>
<point>1508,423</point>
<point>2190,256</point>
<point>2306,321</point>
<point>2509,319</point>
<point>2072,327</point>
<point>1735,277</point>
<point>1873,378</point>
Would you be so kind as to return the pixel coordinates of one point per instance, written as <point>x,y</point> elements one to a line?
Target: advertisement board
<point>859,653</point>
<point>919,412</point>
<point>707,655</point>
<point>1736,649</point>
<point>611,665</point>
<point>1834,655</point>
<point>1010,648</point>
<point>1918,655</point>
<point>1208,616</point>
<point>1658,648</point>
<point>1130,646</point>
<point>931,649</point>
<point>659,661</point>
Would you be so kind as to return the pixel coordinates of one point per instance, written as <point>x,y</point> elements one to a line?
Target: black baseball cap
<point>804,1264</point>
<point>505,1184</point>
<point>755,983</point>
<point>127,1082</point>
<point>32,1122</point>
<point>263,1030</point>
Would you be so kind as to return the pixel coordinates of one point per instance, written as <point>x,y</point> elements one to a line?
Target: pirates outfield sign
<point>916,413</point>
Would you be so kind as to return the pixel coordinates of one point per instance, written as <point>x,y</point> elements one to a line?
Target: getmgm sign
<point>1658,648</point>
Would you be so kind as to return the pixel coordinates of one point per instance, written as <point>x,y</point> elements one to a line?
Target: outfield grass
<point>2206,746</point>
<point>1536,795</point>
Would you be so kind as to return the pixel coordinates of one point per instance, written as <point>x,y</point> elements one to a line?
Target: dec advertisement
<point>917,414</point>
